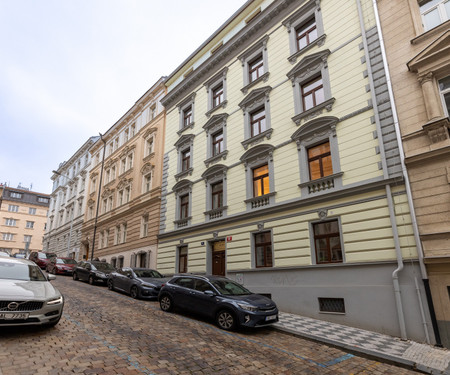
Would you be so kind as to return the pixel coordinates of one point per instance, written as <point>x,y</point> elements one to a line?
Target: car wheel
<point>134,293</point>
<point>166,303</point>
<point>74,276</point>
<point>225,320</point>
<point>110,284</point>
<point>91,280</point>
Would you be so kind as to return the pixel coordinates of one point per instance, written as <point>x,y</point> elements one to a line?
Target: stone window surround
<point>147,169</point>
<point>252,52</point>
<point>182,106</point>
<point>260,230</point>
<point>310,134</point>
<point>149,134</point>
<point>257,98</point>
<point>211,84</point>
<point>215,174</point>
<point>180,189</point>
<point>307,12</point>
<point>184,143</point>
<point>308,68</point>
<point>254,158</point>
<point>212,126</point>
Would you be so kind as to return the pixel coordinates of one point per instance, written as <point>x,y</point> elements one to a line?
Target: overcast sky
<point>70,69</point>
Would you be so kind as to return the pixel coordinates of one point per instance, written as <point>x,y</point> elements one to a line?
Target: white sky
<point>70,69</point>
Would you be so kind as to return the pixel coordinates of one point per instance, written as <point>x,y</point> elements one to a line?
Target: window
<point>32,211</point>
<point>318,154</point>
<point>186,111</point>
<point>105,205</point>
<point>130,161</point>
<point>182,259</point>
<point>30,224</point>
<point>256,108</point>
<point>110,203</point>
<point>215,129</point>
<point>327,242</point>
<point>305,29</point>
<point>184,207</point>
<point>260,186</point>
<point>187,116</point>
<point>184,147</point>
<point>263,249</point>
<point>127,194</point>
<point>144,225</point>
<point>13,208</point>
<point>311,85</point>
<point>105,238</point>
<point>14,194</point>
<point>147,182</point>
<point>255,64</point>
<point>217,95</point>
<point>8,237</point>
<point>217,143</point>
<point>183,191</point>
<point>132,130</point>
<point>123,164</point>
<point>261,181</point>
<point>149,146</point>
<point>217,195</point>
<point>215,178</point>
<point>10,222</point>
<point>126,135</point>
<point>216,90</point>
<point>120,262</point>
<point>434,12</point>
<point>444,90</point>
<point>124,233</point>
<point>185,160</point>
<point>118,235</point>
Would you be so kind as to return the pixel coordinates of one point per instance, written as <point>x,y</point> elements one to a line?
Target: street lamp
<point>98,197</point>
<point>73,212</point>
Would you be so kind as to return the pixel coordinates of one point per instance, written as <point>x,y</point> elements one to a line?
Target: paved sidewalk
<point>422,357</point>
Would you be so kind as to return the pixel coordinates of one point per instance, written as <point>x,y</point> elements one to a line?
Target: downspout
<point>423,269</point>
<point>398,252</point>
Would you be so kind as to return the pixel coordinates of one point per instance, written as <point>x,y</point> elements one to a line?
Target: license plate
<point>10,316</point>
<point>271,317</point>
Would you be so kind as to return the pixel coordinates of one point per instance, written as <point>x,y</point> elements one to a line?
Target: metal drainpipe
<point>407,185</point>
<point>395,282</point>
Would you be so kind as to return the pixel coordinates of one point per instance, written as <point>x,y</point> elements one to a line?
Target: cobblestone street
<point>104,332</point>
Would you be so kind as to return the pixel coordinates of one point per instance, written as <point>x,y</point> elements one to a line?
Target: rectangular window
<point>444,90</point>
<point>149,146</point>
<point>32,211</point>
<point>110,203</point>
<point>184,206</point>
<point>13,208</point>
<point>217,143</point>
<point>132,130</point>
<point>105,205</point>
<point>255,68</point>
<point>263,249</point>
<point>312,93</point>
<point>434,12</point>
<point>332,305</point>
<point>147,182</point>
<point>123,164</point>
<point>8,236</point>
<point>118,235</point>
<point>127,194</point>
<point>306,34</point>
<point>30,224</point>
<point>319,161</point>
<point>327,242</point>
<point>14,194</point>
<point>120,197</point>
<point>130,161</point>
<point>217,95</point>
<point>182,259</point>
<point>258,121</point>
<point>124,233</point>
<point>10,222</point>
<point>185,160</point>
<point>187,116</point>
<point>145,225</point>
<point>261,181</point>
<point>217,195</point>
<point>43,200</point>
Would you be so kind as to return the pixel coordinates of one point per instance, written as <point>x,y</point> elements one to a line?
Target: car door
<point>124,280</point>
<point>181,292</point>
<point>203,303</point>
<point>83,272</point>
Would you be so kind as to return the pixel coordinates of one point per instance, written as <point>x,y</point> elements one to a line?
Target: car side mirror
<point>209,293</point>
<point>51,277</point>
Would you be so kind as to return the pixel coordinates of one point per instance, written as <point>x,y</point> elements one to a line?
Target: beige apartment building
<point>23,215</point>
<point>417,44</point>
<point>121,221</point>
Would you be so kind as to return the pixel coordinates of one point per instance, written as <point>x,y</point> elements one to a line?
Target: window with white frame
<point>311,85</point>
<point>257,124</point>
<point>130,161</point>
<point>305,29</point>
<point>120,199</point>
<point>184,146</point>
<point>10,222</point>
<point>124,232</point>
<point>144,225</point>
<point>434,12</point>
<point>318,154</point>
<point>118,236</point>
<point>14,194</point>
<point>259,176</point>
<point>255,64</point>
<point>132,130</point>
<point>126,135</point>
<point>183,197</point>
<point>147,182</point>
<point>8,237</point>
<point>29,224</point>
<point>216,191</point>
<point>123,165</point>
<point>32,211</point>
<point>13,208</point>
<point>186,111</point>
<point>149,144</point>
<point>100,240</point>
<point>216,90</point>
<point>215,129</point>
<point>105,237</point>
<point>444,90</point>
<point>105,205</point>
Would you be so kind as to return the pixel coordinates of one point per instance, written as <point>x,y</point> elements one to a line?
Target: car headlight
<point>247,307</point>
<point>148,285</point>
<point>55,301</point>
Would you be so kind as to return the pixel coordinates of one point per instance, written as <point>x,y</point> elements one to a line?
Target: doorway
<point>218,258</point>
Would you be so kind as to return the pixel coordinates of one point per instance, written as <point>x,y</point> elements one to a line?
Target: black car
<point>92,271</point>
<point>137,282</point>
<point>219,298</point>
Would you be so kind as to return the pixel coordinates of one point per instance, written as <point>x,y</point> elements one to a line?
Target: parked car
<point>137,282</point>
<point>41,258</point>
<point>26,295</point>
<point>227,302</point>
<point>92,271</point>
<point>19,255</point>
<point>61,266</point>
<point>4,254</point>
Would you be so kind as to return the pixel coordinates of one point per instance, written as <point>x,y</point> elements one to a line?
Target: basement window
<point>331,305</point>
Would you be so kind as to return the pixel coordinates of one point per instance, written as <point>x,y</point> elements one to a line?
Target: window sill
<point>261,201</point>
<point>314,112</point>
<point>212,110</point>
<point>190,126</point>
<point>216,158</point>
<point>181,223</point>
<point>183,174</point>
<point>263,78</point>
<point>321,184</point>
<point>320,41</point>
<point>257,138</point>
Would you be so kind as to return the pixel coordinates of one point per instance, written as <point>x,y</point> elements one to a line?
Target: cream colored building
<point>417,39</point>
<point>282,168</point>
<point>23,215</point>
<point>124,189</point>
<point>68,203</point>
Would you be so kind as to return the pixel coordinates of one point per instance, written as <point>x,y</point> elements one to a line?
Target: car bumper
<point>251,319</point>
<point>46,315</point>
<point>64,272</point>
<point>147,292</point>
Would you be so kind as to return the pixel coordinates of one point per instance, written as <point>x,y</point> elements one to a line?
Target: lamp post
<point>98,197</point>
<point>71,220</point>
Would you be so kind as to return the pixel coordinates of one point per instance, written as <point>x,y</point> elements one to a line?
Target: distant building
<point>23,215</point>
<point>68,203</point>
<point>124,190</point>
<point>417,40</point>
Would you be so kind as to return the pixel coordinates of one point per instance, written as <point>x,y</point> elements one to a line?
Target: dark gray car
<point>219,298</point>
<point>92,271</point>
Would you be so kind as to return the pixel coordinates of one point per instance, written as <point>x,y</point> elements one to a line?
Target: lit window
<point>261,181</point>
<point>319,160</point>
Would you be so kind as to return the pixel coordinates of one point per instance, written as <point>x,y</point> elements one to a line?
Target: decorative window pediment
<point>309,66</point>
<point>317,128</point>
<point>184,141</point>
<point>146,168</point>
<point>429,58</point>
<point>182,186</point>
<point>256,97</point>
<point>215,172</point>
<point>260,152</point>
<point>123,183</point>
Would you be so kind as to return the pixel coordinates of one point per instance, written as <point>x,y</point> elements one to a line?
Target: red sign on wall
<point>229,239</point>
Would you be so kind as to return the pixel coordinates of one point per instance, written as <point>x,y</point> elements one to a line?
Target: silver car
<point>26,295</point>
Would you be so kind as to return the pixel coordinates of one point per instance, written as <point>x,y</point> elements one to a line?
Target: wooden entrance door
<point>218,258</point>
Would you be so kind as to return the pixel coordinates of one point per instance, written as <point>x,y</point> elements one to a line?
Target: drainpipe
<point>408,194</point>
<point>396,284</point>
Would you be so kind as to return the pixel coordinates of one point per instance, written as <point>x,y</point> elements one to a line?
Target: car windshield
<point>21,271</point>
<point>230,288</point>
<point>65,261</point>
<point>147,273</point>
<point>103,266</point>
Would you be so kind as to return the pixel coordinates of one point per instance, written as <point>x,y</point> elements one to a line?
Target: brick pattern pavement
<point>104,332</point>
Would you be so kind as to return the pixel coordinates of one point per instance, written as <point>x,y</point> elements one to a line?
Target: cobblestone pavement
<point>104,332</point>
